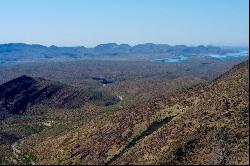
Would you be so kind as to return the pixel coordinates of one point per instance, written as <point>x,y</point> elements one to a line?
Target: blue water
<point>218,56</point>
<point>230,55</point>
<point>172,60</point>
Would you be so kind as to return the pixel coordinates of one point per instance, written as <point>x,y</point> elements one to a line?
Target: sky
<point>91,22</point>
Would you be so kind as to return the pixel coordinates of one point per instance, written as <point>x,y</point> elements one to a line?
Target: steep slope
<point>213,130</point>
<point>205,124</point>
<point>25,93</point>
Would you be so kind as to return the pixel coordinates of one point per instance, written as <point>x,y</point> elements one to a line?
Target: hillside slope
<point>213,130</point>
<point>205,124</point>
<point>27,93</point>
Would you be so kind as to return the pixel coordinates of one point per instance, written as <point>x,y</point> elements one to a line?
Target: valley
<point>98,112</point>
<point>94,82</point>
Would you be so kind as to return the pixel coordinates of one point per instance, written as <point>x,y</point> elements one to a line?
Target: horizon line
<point>131,45</point>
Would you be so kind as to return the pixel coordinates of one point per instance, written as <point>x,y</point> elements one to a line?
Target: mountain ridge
<point>218,116</point>
<point>22,93</point>
<point>19,52</point>
<point>114,48</point>
<point>205,124</point>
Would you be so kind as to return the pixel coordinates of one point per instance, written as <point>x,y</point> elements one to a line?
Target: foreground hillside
<point>205,124</point>
<point>214,129</point>
<point>29,106</point>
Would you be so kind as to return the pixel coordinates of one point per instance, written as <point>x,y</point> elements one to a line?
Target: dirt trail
<point>17,152</point>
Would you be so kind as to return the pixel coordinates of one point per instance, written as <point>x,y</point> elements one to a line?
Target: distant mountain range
<point>24,52</point>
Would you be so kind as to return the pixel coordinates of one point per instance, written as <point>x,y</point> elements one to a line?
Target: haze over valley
<point>22,53</point>
<point>68,99</point>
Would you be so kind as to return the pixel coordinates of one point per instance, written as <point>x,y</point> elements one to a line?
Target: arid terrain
<point>125,112</point>
<point>149,82</point>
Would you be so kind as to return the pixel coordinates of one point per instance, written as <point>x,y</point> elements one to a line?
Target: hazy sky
<point>90,22</point>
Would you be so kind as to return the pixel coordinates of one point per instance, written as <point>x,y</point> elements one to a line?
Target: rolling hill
<point>33,94</point>
<point>204,124</point>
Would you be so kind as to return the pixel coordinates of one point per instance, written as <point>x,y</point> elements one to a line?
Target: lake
<point>230,55</point>
<point>172,60</point>
<point>181,58</point>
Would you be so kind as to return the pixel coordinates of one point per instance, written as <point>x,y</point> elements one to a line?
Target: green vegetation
<point>167,112</point>
<point>27,159</point>
<point>31,129</point>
